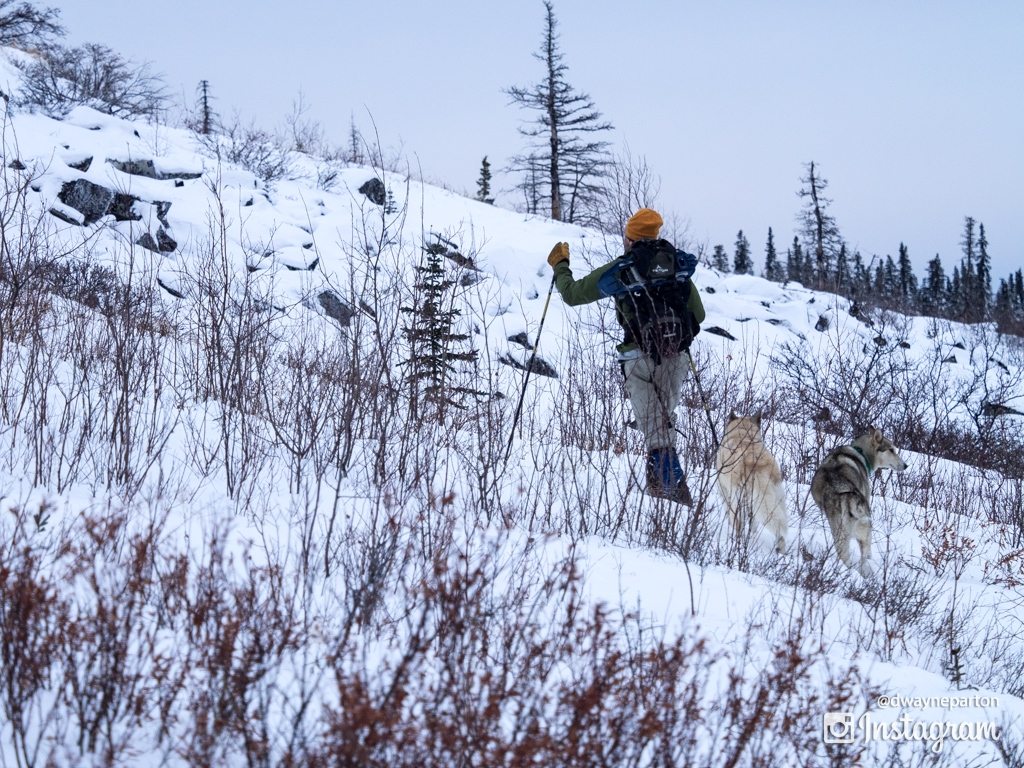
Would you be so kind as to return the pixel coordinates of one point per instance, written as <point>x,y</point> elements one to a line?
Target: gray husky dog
<point>842,488</point>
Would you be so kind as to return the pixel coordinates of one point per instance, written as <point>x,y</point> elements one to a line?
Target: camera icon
<point>837,727</point>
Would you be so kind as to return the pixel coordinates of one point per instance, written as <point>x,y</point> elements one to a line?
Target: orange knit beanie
<point>645,224</point>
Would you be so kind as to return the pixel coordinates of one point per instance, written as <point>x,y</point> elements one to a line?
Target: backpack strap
<point>631,271</point>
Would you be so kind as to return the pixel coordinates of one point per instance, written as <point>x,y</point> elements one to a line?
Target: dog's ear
<point>758,417</point>
<point>876,435</point>
<point>732,416</point>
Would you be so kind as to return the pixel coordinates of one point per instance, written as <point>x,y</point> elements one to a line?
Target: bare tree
<point>818,226</point>
<point>23,25</point>
<point>564,136</point>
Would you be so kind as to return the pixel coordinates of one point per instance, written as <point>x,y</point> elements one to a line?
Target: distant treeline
<point>966,294</point>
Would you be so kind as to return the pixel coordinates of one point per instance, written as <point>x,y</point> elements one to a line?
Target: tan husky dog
<point>750,481</point>
<point>842,488</point>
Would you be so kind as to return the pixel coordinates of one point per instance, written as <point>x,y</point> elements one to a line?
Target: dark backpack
<point>651,286</point>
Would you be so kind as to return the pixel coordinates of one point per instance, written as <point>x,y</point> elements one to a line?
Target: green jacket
<point>584,291</point>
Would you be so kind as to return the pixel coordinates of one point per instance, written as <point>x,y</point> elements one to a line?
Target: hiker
<point>660,312</point>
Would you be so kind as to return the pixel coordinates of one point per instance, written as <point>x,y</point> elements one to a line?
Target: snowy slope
<point>947,548</point>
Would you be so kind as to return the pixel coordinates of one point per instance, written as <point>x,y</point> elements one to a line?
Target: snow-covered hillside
<point>233,533</point>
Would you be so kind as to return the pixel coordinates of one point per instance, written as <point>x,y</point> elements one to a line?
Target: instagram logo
<point>837,727</point>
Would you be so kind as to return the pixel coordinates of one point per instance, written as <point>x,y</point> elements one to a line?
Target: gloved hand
<point>559,253</point>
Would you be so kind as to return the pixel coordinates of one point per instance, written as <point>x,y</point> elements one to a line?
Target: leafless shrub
<point>83,419</point>
<point>229,328</point>
<point>756,711</point>
<point>814,573</point>
<point>900,608</point>
<point>240,633</point>
<point>111,661</point>
<point>570,694</point>
<point>91,75</point>
<point>856,386</point>
<point>253,148</point>
<point>32,616</point>
<point>25,240</point>
<point>306,135</point>
<point>135,360</point>
<point>29,26</point>
<point>305,401</point>
<point>629,185</point>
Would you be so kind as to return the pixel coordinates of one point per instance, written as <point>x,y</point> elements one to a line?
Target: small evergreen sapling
<point>436,345</point>
<point>483,184</point>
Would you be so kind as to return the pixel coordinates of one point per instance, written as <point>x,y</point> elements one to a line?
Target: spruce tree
<point>843,283</point>
<point>1004,301</point>
<point>742,263</point>
<point>906,280</point>
<point>483,184</point>
<point>566,148</point>
<point>891,279</point>
<point>878,285</point>
<point>954,295</point>
<point>773,270</point>
<point>207,117</point>
<point>966,305</point>
<point>795,262</point>
<point>808,269</point>
<point>720,259</point>
<point>983,290</point>
<point>355,143</point>
<point>435,345</point>
<point>860,275</point>
<point>935,291</point>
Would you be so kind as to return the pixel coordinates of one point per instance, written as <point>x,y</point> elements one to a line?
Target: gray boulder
<point>374,191</point>
<point>91,200</point>
<point>122,207</point>
<point>162,243</point>
<point>143,168</point>
<point>336,308</point>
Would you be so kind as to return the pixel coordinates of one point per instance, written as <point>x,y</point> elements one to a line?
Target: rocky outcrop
<point>540,366</point>
<point>375,191</point>
<point>147,169</point>
<point>91,200</point>
<point>161,243</point>
<point>144,168</point>
<point>717,331</point>
<point>122,207</point>
<point>95,201</point>
<point>336,308</point>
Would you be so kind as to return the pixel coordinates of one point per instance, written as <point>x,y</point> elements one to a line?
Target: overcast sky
<point>913,111</point>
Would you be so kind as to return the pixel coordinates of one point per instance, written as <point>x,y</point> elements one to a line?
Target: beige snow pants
<point>654,391</point>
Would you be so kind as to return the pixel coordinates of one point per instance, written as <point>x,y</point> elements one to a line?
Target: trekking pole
<point>529,368</point>
<point>704,400</point>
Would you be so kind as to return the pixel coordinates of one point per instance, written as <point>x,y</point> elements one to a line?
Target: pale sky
<point>913,111</point>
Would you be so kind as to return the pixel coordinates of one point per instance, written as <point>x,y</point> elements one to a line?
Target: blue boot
<point>665,476</point>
